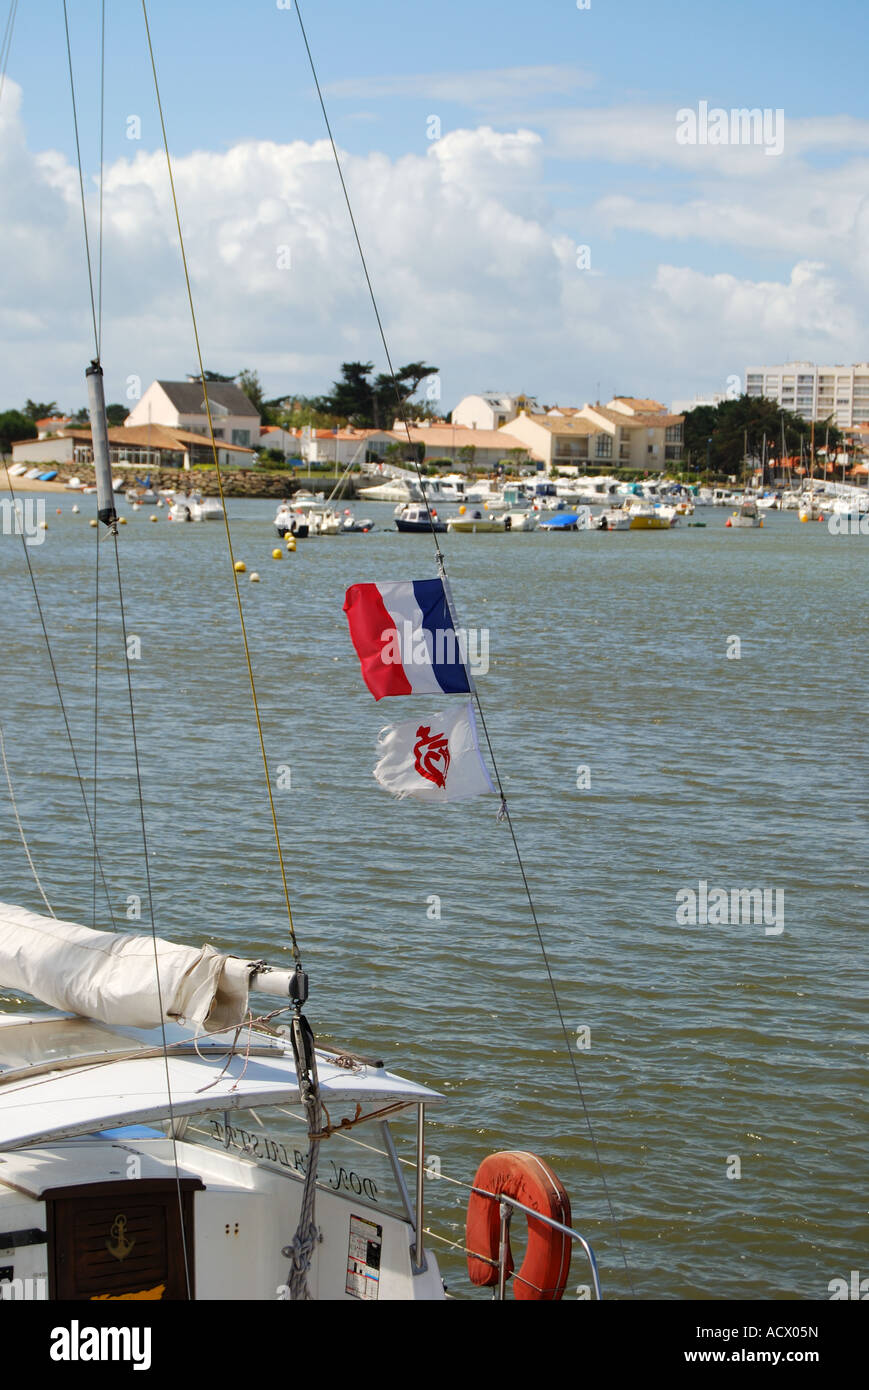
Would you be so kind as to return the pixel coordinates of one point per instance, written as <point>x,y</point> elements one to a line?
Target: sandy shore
<point>24,485</point>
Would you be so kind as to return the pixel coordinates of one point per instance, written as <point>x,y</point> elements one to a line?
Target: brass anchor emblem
<point>122,1245</point>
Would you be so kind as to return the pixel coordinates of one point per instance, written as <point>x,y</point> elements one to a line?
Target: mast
<point>100,439</point>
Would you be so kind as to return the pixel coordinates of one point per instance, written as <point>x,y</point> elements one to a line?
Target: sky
<point>538,208</point>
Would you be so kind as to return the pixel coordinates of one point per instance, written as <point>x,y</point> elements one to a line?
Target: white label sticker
<point>363,1258</point>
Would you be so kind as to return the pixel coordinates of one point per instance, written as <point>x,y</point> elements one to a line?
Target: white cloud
<point>471,267</point>
<point>470,88</point>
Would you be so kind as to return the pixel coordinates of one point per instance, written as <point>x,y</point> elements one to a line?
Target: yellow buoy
<point>462,509</point>
<point>254,579</point>
<point>277,554</point>
<point>93,521</point>
<point>153,518</point>
<point>122,521</point>
<point>291,543</point>
<point>240,567</point>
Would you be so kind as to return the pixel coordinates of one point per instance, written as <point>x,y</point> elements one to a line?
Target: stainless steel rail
<point>507,1206</point>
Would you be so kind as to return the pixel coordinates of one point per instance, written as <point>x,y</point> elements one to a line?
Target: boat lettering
<point>261,1146</point>
<point>350,1181</point>
<point>256,1145</point>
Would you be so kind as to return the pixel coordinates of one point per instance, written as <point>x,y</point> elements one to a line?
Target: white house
<point>181,405</point>
<point>489,411</point>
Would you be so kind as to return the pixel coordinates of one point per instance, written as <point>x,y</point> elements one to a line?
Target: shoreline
<point>29,485</point>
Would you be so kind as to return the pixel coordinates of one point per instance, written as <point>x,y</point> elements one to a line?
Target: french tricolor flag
<point>405,639</point>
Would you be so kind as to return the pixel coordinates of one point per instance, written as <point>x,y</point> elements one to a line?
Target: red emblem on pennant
<point>429,750</point>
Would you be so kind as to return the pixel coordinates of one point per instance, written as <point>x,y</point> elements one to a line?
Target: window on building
<point>240,437</point>
<point>603,446</point>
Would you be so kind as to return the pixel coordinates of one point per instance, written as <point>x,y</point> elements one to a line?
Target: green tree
<point>735,427</point>
<point>250,383</point>
<point>368,403</point>
<point>15,425</point>
<point>116,414</point>
<point>39,410</point>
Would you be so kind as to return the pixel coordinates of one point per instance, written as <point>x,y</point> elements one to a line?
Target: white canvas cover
<point>112,977</point>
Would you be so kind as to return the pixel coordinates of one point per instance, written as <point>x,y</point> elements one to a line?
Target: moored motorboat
<point>411,517</point>
<point>521,519</point>
<point>474,520</point>
<point>291,521</point>
<point>747,515</point>
<point>580,520</point>
<point>613,519</point>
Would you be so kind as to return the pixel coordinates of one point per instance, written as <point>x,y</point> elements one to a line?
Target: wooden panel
<point>120,1240</point>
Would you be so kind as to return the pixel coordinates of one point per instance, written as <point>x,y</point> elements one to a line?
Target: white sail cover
<point>112,977</point>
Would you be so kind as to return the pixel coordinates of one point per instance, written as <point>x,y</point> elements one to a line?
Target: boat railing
<point>510,1204</point>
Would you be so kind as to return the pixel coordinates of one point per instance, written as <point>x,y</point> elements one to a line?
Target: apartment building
<point>816,393</point>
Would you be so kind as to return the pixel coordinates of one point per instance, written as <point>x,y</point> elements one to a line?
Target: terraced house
<point>628,432</point>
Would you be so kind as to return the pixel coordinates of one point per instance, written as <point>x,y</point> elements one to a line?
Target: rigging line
<point>442,567</point>
<point>102,148</point>
<point>169,1101</point>
<point>56,677</point>
<point>96,704</point>
<point>20,826</point>
<point>6,43</point>
<point>81,183</point>
<point>294,943</point>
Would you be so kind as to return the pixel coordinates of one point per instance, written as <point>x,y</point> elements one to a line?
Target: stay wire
<point>20,826</point>
<point>62,703</point>
<point>96,704</point>
<point>81,183</point>
<point>286,890</point>
<point>102,150</point>
<point>6,43</point>
<point>148,888</point>
<point>504,812</point>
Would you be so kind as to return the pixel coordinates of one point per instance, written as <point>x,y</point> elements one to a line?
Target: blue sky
<point>556,130</point>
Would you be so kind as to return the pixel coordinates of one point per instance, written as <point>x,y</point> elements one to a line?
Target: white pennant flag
<point>433,758</point>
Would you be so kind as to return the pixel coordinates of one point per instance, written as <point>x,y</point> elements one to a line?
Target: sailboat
<point>147,1100</point>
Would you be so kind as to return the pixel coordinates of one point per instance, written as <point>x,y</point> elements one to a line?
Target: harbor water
<point>672,712</point>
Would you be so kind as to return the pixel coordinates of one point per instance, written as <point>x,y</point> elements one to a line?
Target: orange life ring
<point>543,1273</point>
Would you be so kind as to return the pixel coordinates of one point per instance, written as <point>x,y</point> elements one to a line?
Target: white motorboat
<point>354,526</point>
<point>521,519</point>
<point>473,520</point>
<point>16,470</point>
<point>322,521</point>
<point>813,506</point>
<point>747,515</point>
<point>613,519</point>
<point>291,521</point>
<point>396,490</point>
<point>192,506</point>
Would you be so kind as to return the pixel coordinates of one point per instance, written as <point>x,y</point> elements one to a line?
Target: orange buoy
<point>543,1273</point>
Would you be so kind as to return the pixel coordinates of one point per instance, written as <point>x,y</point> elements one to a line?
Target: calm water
<point>708,1043</point>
